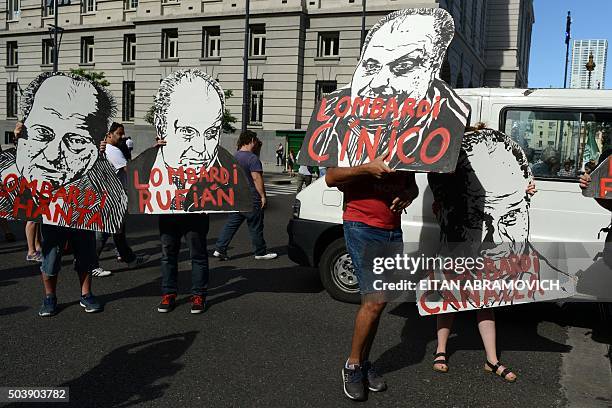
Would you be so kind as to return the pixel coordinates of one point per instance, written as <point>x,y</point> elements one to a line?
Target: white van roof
<point>541,92</point>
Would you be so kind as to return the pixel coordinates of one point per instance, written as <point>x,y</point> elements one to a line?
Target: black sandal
<point>440,361</point>
<point>492,368</point>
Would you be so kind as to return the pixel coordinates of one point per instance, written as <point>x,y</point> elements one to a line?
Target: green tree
<point>226,123</point>
<point>150,115</point>
<point>91,75</point>
<point>228,118</point>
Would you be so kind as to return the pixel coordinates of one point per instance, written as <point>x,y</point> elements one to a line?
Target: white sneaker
<point>99,272</point>
<point>222,257</point>
<point>271,255</point>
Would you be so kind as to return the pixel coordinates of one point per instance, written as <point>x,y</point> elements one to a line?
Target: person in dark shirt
<point>248,146</point>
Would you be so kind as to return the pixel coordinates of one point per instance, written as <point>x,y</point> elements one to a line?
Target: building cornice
<point>75,28</point>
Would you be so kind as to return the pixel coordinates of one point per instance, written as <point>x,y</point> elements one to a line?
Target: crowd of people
<point>375,196</point>
<point>46,244</point>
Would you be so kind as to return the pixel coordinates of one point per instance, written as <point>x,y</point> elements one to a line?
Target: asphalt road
<point>271,337</point>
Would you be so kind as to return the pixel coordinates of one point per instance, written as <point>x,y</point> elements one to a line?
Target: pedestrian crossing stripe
<point>276,189</point>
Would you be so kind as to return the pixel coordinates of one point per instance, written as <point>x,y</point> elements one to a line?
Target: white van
<point>570,124</point>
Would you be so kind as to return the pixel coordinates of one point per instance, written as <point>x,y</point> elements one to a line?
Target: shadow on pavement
<point>229,282</point>
<point>130,375</point>
<point>517,330</point>
<point>13,310</point>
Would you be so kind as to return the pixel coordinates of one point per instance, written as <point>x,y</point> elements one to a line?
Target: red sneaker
<point>197,304</point>
<point>167,303</point>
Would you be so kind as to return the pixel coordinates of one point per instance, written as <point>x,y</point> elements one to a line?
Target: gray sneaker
<point>376,383</point>
<point>90,303</point>
<point>138,261</point>
<point>354,387</point>
<point>49,306</point>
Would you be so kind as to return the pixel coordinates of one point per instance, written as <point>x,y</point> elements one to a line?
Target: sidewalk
<point>272,168</point>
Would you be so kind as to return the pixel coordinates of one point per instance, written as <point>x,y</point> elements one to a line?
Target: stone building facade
<point>299,50</point>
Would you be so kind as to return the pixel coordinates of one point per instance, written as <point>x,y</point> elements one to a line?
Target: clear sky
<point>591,19</point>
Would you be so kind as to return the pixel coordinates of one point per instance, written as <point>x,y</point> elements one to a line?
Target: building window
<point>129,48</point>
<point>88,6</point>
<point>47,51</point>
<point>258,40</point>
<point>324,88</point>
<point>12,54</point>
<point>129,100</point>
<point>12,100</point>
<point>13,9</point>
<point>169,44</point>
<point>256,97</point>
<point>130,4</point>
<point>211,42</point>
<point>8,137</point>
<point>87,50</point>
<point>329,44</point>
<point>47,8</point>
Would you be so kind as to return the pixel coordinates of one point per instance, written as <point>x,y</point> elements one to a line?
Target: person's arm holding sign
<point>18,128</point>
<point>585,180</point>
<point>338,176</point>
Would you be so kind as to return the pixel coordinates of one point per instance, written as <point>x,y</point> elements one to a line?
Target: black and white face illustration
<point>189,112</point>
<point>63,124</point>
<point>403,54</point>
<point>484,204</point>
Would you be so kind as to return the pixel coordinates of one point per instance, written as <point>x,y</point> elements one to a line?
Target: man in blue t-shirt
<point>248,146</point>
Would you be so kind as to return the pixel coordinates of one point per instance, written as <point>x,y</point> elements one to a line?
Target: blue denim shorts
<point>360,237</point>
<point>54,240</point>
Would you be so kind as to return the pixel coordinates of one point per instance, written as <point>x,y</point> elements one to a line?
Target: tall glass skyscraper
<point>580,56</point>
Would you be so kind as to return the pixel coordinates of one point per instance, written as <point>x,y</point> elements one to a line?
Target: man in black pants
<point>194,227</point>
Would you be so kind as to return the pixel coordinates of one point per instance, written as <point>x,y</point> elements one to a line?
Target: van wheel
<point>337,275</point>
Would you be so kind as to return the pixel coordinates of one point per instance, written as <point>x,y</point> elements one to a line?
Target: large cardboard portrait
<point>56,175</point>
<point>601,181</point>
<point>191,172</point>
<point>483,212</point>
<point>396,105</point>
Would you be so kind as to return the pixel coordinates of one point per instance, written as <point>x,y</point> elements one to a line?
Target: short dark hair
<point>114,126</point>
<point>97,122</point>
<point>247,137</point>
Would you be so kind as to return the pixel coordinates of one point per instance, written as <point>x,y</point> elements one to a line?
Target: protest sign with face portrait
<point>601,181</point>
<point>396,104</point>
<point>56,174</point>
<point>483,212</point>
<point>191,172</point>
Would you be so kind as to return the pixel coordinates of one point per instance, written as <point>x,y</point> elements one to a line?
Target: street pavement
<point>272,337</point>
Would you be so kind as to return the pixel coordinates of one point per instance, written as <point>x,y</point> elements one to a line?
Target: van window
<point>559,143</point>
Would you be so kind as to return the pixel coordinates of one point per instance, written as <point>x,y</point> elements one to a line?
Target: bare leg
<point>365,355</point>
<point>31,237</point>
<point>486,327</point>
<point>37,238</point>
<point>444,323</point>
<point>49,283</point>
<point>85,280</point>
<point>366,324</point>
